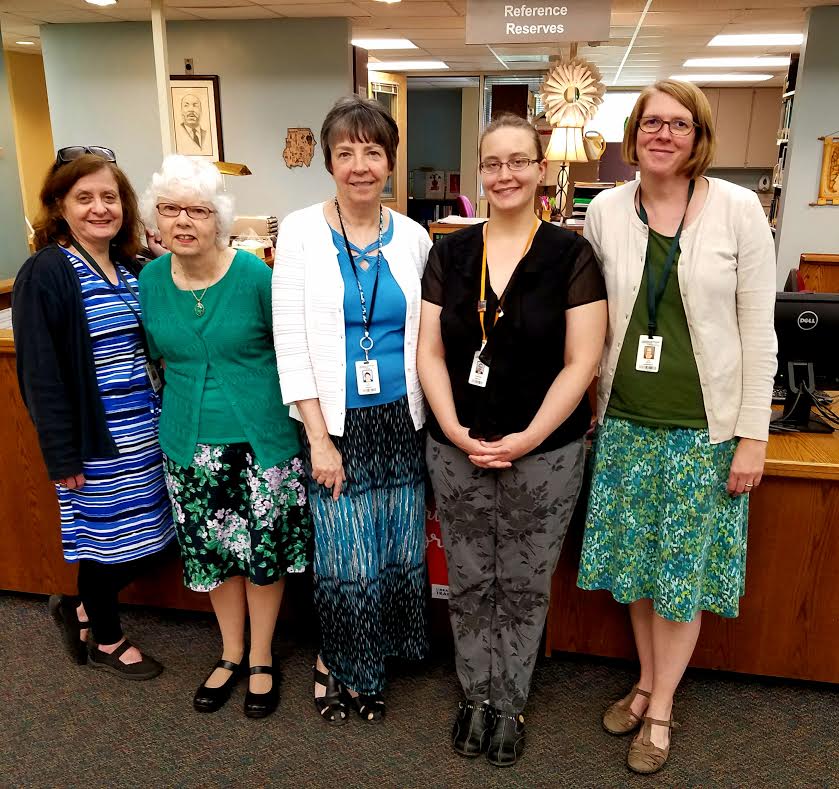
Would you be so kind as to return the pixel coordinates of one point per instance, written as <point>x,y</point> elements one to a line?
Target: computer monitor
<point>807,326</point>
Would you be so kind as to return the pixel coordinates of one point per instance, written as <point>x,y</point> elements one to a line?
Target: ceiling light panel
<point>383,43</point>
<point>407,65</point>
<point>721,77</point>
<point>769,62</point>
<point>758,40</point>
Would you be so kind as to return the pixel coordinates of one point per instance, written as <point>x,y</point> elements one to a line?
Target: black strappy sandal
<point>371,709</point>
<point>332,706</point>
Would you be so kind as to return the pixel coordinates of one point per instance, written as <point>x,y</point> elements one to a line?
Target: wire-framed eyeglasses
<point>678,126</point>
<point>493,166</point>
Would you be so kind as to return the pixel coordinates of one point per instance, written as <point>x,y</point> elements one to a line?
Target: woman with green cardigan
<point>233,470</point>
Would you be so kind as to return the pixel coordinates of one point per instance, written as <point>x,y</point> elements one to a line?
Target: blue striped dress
<point>122,512</point>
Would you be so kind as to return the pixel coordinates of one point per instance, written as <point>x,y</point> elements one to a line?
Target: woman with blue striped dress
<point>82,369</point>
<point>346,300</point>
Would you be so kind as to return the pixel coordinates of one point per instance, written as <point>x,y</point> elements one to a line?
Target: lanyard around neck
<point>121,277</point>
<point>366,341</point>
<point>482,304</point>
<point>655,292</point>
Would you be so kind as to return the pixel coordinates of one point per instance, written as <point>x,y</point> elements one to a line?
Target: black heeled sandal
<point>332,706</point>
<point>370,708</point>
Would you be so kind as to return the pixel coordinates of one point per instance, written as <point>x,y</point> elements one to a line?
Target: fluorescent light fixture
<point>389,2</point>
<point>721,77</point>
<point>26,43</point>
<point>768,62</point>
<point>383,43</point>
<point>758,40</point>
<point>407,65</point>
<point>101,2</point>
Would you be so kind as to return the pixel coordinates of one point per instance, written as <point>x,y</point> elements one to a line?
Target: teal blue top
<point>221,371</point>
<point>387,329</point>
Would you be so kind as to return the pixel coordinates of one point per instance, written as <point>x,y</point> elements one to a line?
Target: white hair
<point>188,178</point>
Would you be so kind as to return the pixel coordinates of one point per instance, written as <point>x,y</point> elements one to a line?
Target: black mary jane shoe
<point>63,611</point>
<point>332,706</point>
<point>261,705</point>
<point>147,668</point>
<point>213,699</point>
<point>472,728</point>
<point>506,744</point>
<point>370,707</point>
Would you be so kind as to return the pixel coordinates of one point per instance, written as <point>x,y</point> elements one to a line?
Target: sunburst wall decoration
<point>572,92</point>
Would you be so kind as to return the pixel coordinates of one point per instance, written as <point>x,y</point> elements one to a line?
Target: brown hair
<point>694,101</point>
<point>50,226</point>
<point>359,120</point>
<point>506,120</point>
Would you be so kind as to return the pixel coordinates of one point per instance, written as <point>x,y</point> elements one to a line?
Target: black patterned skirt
<point>369,563</point>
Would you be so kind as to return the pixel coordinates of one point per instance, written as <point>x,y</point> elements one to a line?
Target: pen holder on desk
<point>546,215</point>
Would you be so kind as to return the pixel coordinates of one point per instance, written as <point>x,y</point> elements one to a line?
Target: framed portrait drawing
<point>196,116</point>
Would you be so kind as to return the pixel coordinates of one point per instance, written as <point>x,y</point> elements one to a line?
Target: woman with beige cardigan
<point>683,402</point>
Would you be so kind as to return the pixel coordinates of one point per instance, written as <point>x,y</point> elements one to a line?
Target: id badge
<point>367,377</point>
<point>154,377</point>
<point>649,354</point>
<point>480,372</point>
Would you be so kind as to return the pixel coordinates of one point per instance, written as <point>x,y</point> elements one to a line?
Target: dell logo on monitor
<point>807,320</point>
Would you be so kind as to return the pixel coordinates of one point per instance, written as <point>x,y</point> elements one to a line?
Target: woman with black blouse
<point>512,329</point>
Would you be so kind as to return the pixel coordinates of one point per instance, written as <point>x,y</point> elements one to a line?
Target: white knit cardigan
<point>308,312</point>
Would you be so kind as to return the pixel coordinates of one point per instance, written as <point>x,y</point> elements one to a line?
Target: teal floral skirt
<point>661,525</point>
<point>232,517</point>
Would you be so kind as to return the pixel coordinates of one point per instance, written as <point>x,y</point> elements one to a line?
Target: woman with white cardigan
<point>684,398</point>
<point>346,304</point>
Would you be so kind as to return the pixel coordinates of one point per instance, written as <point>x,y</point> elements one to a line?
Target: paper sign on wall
<point>537,21</point>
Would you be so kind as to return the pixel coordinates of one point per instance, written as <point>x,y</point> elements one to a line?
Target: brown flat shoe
<point>644,757</point>
<point>619,718</point>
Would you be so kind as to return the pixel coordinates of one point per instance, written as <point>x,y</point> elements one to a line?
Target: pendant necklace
<point>199,308</point>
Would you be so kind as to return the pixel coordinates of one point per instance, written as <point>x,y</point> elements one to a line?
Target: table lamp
<point>565,146</point>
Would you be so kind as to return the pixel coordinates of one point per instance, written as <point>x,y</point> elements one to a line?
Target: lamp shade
<point>566,145</point>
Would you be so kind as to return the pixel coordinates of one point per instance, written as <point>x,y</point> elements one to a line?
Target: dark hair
<point>50,226</point>
<point>506,120</point>
<point>359,120</point>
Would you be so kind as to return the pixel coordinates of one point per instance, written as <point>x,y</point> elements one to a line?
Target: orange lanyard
<point>482,304</point>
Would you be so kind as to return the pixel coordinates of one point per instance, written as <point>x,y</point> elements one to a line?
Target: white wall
<point>805,228</point>
<point>273,74</point>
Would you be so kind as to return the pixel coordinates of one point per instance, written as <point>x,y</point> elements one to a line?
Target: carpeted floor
<point>62,725</point>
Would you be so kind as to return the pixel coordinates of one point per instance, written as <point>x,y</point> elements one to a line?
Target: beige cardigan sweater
<point>727,281</point>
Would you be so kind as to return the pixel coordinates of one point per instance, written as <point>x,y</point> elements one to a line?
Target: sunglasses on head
<point>73,152</point>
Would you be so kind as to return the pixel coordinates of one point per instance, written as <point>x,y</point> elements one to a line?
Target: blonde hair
<point>694,101</point>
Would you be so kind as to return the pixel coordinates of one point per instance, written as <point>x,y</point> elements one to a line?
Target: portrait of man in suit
<point>192,138</point>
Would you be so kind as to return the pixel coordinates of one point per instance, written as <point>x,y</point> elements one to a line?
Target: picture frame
<point>829,180</point>
<point>196,116</point>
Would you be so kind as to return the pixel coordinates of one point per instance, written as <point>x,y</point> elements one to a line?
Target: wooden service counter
<point>30,539</point>
<point>789,619</point>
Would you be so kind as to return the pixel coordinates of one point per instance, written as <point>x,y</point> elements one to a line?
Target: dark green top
<point>672,397</point>
<point>220,365</point>
<point>217,421</point>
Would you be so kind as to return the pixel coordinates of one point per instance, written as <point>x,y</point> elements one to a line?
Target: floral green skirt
<point>233,517</point>
<point>661,525</point>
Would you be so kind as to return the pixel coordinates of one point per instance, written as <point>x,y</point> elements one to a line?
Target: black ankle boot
<point>507,742</point>
<point>472,728</point>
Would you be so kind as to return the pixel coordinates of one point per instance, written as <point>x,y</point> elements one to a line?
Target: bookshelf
<point>785,121</point>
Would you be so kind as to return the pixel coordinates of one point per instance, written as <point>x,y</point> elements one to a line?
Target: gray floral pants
<point>502,531</point>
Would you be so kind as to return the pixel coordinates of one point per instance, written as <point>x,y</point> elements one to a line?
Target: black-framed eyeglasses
<point>493,166</point>
<point>173,210</point>
<point>678,126</point>
<point>73,152</point>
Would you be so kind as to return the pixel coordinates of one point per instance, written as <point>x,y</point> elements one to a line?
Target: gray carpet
<point>63,725</point>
